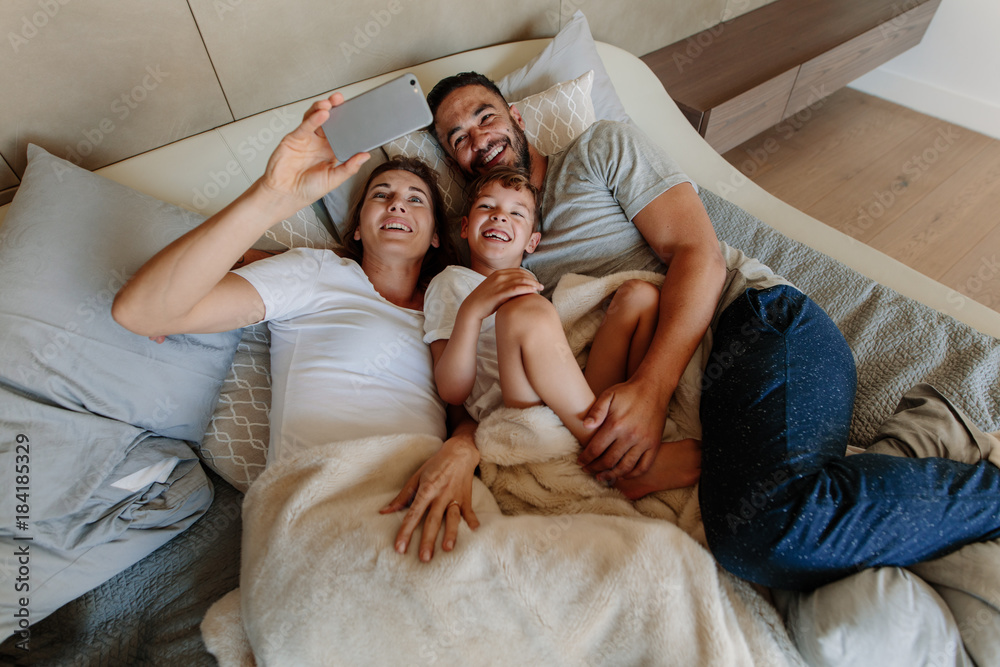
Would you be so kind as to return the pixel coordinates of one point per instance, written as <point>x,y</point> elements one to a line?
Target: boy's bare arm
<point>455,358</point>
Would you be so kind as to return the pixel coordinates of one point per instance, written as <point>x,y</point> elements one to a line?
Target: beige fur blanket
<point>529,457</point>
<point>322,585</point>
<point>598,583</point>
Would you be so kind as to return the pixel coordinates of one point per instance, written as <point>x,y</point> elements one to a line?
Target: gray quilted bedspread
<point>897,341</point>
<point>149,614</point>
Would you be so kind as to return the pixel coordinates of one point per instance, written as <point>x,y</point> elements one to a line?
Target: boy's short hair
<point>509,178</point>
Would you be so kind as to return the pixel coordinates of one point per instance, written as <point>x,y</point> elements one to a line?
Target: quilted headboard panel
<point>102,81</point>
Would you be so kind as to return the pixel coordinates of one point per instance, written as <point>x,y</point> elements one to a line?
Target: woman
<point>342,330</point>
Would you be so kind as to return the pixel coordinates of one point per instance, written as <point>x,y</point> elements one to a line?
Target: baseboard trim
<point>969,112</point>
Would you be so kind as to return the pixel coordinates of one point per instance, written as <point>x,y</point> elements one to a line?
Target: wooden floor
<point>921,190</point>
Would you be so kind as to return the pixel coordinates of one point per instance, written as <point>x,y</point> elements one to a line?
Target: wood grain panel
<point>836,68</point>
<point>748,114</point>
<point>950,221</point>
<point>733,57</point>
<point>850,152</point>
<point>8,179</point>
<point>896,182</point>
<point>833,142</point>
<point>977,273</point>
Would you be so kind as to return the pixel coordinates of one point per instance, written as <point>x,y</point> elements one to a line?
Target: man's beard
<point>518,147</point>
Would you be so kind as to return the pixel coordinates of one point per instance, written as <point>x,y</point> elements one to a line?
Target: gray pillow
<point>70,240</point>
<point>571,53</point>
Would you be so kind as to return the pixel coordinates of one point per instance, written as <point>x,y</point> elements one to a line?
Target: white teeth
<point>492,154</point>
<point>396,225</point>
<point>493,234</point>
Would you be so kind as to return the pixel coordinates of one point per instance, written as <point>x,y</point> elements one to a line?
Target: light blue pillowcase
<point>70,240</point>
<point>92,417</point>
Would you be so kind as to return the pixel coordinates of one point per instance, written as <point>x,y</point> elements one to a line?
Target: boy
<point>492,349</point>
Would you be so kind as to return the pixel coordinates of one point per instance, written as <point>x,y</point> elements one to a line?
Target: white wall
<point>954,73</point>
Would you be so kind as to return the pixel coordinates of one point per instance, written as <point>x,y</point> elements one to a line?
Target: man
<point>474,125</point>
<point>776,409</point>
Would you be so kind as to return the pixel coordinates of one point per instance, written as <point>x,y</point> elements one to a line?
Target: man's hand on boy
<point>630,420</point>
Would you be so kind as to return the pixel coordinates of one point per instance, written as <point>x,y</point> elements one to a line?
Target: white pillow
<point>302,230</point>
<point>552,119</point>
<point>557,116</point>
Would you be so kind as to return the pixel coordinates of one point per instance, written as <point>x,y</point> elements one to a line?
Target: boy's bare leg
<point>619,346</point>
<point>536,364</point>
<point>677,465</point>
<point>624,336</point>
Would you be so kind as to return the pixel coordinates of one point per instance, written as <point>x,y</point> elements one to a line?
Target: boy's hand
<point>498,288</point>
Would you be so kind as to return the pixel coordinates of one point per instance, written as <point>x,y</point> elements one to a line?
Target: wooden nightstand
<point>743,76</point>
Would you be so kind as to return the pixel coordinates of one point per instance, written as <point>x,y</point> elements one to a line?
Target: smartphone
<point>377,116</point>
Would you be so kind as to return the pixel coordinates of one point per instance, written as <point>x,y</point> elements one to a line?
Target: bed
<point>138,456</point>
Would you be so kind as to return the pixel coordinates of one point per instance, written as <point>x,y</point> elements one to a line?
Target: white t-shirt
<point>345,363</point>
<point>442,300</point>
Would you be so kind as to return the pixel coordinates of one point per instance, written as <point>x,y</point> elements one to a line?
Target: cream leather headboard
<point>97,82</point>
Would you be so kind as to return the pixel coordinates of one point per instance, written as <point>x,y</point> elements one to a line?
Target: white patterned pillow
<point>235,443</point>
<point>557,116</point>
<point>422,144</point>
<point>552,119</point>
<point>302,230</point>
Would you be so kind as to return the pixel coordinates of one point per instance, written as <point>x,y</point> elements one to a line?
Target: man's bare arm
<point>677,228</point>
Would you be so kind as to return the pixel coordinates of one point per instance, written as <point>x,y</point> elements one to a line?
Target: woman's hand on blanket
<point>498,288</point>
<point>629,421</point>
<point>440,492</point>
<point>303,167</point>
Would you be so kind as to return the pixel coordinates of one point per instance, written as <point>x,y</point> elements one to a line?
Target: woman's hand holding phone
<point>303,167</point>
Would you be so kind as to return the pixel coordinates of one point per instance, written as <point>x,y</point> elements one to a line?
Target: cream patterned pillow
<point>552,119</point>
<point>557,116</point>
<point>422,144</point>
<point>235,443</point>
<point>302,230</point>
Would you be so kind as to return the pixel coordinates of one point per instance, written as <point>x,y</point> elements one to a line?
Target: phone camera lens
<point>413,82</point>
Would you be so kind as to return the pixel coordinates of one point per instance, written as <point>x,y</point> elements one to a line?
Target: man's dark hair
<point>447,85</point>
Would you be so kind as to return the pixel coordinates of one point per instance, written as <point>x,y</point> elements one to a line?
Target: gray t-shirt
<point>593,189</point>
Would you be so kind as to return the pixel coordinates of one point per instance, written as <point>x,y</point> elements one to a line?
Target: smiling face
<point>499,228</point>
<point>479,132</point>
<point>397,217</point>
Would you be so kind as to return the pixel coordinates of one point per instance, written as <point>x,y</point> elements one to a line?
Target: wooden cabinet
<point>743,76</point>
